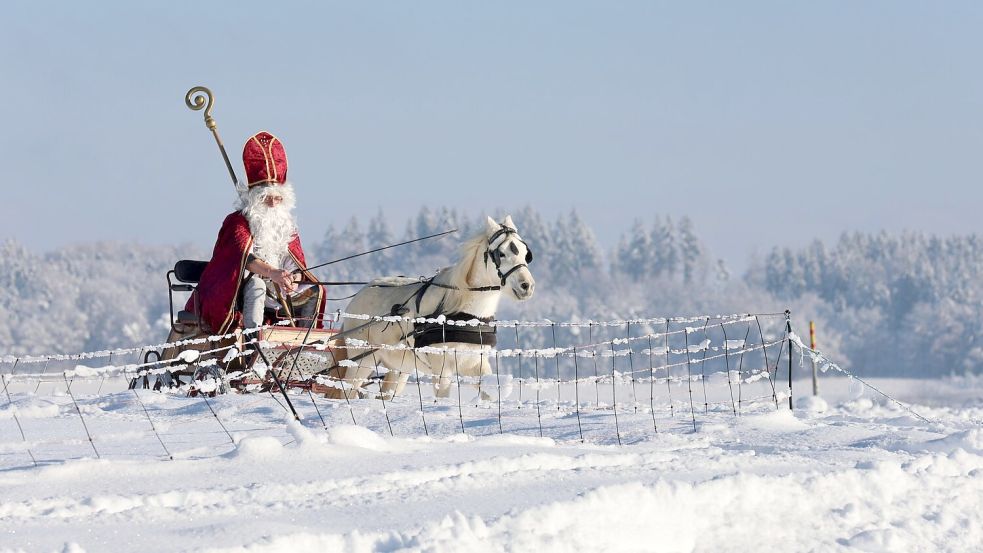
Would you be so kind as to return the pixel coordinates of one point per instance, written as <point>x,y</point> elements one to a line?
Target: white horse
<point>494,262</point>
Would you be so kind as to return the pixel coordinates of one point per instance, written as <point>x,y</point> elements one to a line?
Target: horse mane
<point>459,274</point>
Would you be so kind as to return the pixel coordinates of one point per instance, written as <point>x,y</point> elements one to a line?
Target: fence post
<point>788,331</point>
<point>812,346</point>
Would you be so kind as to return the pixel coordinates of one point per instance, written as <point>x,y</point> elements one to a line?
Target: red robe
<point>218,288</point>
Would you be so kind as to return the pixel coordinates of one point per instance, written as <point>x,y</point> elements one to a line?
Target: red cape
<point>219,285</point>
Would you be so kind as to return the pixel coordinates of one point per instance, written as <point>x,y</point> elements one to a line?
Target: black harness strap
<point>510,271</point>
<point>422,291</point>
<point>472,289</point>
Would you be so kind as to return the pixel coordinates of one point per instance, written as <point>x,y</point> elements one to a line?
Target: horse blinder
<point>496,254</point>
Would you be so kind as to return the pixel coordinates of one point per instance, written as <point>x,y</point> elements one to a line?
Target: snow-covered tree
<point>665,247</point>
<point>693,253</point>
<point>634,256</point>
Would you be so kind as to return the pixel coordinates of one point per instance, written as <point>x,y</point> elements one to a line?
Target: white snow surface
<point>842,472</point>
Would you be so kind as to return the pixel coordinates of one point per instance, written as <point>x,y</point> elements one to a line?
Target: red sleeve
<point>298,251</point>
<point>219,284</point>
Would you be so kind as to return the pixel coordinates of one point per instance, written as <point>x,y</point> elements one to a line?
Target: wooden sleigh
<point>293,354</point>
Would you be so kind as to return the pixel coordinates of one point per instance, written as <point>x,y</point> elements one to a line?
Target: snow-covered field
<point>852,473</point>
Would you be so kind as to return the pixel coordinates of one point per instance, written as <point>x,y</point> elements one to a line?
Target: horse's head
<point>509,256</point>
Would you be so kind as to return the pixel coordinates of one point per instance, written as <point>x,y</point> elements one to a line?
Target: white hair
<point>272,227</point>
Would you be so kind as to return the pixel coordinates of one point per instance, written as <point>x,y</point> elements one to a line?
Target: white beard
<point>273,228</point>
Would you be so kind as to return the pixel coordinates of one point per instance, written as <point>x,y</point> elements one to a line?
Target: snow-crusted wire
<point>824,364</point>
<point>746,376</point>
<point>568,351</point>
<point>10,358</point>
<point>187,358</point>
<point>548,383</point>
<point>441,319</point>
<point>180,362</point>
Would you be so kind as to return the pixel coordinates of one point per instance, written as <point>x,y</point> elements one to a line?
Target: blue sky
<point>765,122</point>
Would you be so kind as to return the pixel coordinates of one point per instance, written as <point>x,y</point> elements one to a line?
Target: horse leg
<point>477,367</point>
<point>393,384</point>
<point>443,387</point>
<point>484,369</point>
<point>444,371</point>
<point>468,368</point>
<point>338,354</point>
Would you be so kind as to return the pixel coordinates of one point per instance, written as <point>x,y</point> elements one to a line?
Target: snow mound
<point>302,435</point>
<point>970,440</point>
<point>357,437</point>
<point>29,410</point>
<point>258,448</point>
<point>813,405</point>
<point>782,420</point>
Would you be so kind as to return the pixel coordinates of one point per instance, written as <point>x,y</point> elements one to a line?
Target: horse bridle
<point>495,254</point>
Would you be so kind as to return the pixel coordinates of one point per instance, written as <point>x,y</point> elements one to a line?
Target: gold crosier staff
<point>199,98</point>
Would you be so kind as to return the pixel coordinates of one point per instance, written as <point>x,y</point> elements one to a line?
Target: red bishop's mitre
<point>265,160</point>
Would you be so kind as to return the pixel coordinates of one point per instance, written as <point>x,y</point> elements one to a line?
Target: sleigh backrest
<point>187,273</point>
